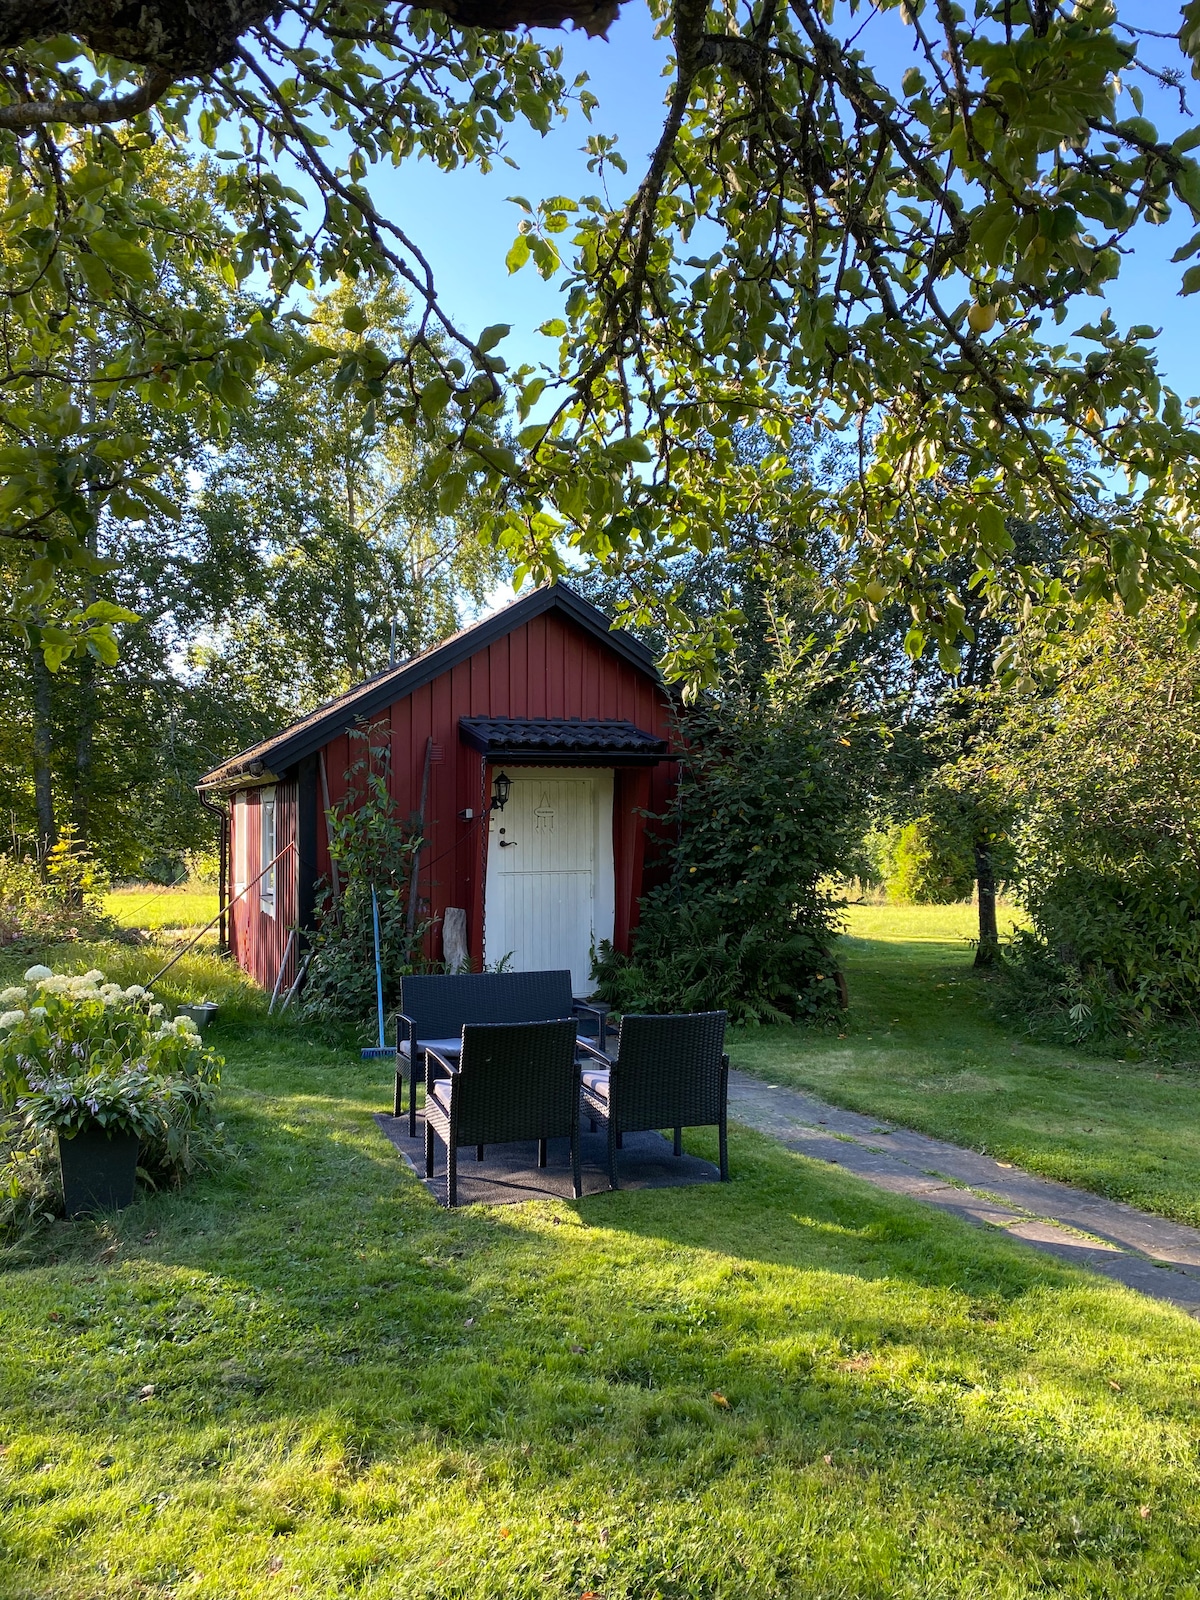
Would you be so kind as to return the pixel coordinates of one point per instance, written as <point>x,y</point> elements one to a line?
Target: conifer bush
<point>768,808</point>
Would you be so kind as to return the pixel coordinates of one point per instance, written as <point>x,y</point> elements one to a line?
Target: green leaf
<point>491,336</point>
<point>105,611</point>
<point>991,526</point>
<point>95,274</point>
<point>123,255</point>
<point>156,498</point>
<point>451,490</point>
<point>435,397</point>
<point>518,254</point>
<point>313,357</point>
<point>354,319</point>
<point>102,645</point>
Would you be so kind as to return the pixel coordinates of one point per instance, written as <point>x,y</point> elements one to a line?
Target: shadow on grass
<point>305,1344</point>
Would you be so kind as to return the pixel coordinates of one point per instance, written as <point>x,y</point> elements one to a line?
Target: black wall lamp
<point>500,788</point>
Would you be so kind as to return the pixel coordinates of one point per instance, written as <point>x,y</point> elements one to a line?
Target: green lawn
<point>923,925</point>
<point>922,1044</point>
<point>301,1377</point>
<point>152,906</point>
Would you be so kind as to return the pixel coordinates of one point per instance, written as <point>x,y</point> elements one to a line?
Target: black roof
<point>561,740</point>
<point>311,733</point>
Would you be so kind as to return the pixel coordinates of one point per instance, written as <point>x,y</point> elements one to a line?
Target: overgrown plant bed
<point>95,1078</point>
<point>301,1377</point>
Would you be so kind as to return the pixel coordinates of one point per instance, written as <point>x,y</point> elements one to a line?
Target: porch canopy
<point>563,741</point>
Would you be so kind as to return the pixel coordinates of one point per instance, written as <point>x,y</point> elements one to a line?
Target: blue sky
<point>463,220</point>
<point>465,224</point>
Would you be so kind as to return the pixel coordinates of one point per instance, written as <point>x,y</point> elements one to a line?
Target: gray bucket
<point>201,1014</point>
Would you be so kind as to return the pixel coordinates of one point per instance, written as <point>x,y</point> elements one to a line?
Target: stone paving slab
<point>509,1173</point>
<point>1151,1254</point>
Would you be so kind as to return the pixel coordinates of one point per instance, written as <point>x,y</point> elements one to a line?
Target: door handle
<point>509,844</point>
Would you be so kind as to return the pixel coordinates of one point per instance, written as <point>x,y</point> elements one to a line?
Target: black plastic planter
<point>99,1172</point>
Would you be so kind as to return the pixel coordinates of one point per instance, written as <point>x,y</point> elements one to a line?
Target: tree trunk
<point>84,742</point>
<point>988,949</point>
<point>43,780</point>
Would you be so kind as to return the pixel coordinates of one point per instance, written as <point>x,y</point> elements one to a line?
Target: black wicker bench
<point>434,1010</point>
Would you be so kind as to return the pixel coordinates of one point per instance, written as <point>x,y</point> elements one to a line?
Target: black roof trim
<point>311,733</point>
<point>555,740</point>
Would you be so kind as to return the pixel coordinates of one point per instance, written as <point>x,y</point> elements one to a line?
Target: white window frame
<point>267,833</point>
<point>241,817</point>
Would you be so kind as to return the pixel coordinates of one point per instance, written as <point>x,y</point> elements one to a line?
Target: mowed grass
<point>926,1043</point>
<point>300,1376</point>
<point>954,925</point>
<point>152,906</point>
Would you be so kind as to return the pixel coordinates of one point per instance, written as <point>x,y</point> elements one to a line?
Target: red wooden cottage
<point>543,706</point>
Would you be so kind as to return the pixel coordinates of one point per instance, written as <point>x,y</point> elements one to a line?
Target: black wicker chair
<point>434,1007</point>
<point>669,1072</point>
<point>516,1080</point>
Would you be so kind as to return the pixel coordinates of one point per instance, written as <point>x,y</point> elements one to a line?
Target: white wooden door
<point>549,878</point>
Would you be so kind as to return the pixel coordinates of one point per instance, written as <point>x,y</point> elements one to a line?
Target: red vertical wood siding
<point>547,667</point>
<point>258,941</point>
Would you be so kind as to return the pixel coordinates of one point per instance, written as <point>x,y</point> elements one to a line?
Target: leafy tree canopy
<point>268,584</point>
<point>899,263</point>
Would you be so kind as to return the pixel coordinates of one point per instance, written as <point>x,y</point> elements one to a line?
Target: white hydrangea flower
<point>38,974</point>
<point>185,1025</point>
<point>136,992</point>
<point>38,1011</point>
<point>94,976</point>
<point>56,983</point>
<point>11,1018</point>
<point>10,996</point>
<point>157,1010</point>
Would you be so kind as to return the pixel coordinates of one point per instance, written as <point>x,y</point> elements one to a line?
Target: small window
<point>266,884</point>
<point>240,856</point>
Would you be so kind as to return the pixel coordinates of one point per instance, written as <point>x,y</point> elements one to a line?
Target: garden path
<point>1144,1252</point>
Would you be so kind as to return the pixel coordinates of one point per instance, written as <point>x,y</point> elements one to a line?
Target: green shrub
<point>62,902</point>
<point>931,864</point>
<point>372,848</point>
<point>1105,759</point>
<point>767,809</point>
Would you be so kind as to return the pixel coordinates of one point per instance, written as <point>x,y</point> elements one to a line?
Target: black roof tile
<point>502,737</point>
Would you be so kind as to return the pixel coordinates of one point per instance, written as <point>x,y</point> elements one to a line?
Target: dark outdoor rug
<point>509,1173</point>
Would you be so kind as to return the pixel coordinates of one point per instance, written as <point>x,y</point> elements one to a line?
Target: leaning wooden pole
<point>333,866</point>
<point>416,863</point>
<point>287,950</point>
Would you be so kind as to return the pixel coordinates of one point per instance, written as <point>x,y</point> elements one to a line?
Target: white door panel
<point>549,894</point>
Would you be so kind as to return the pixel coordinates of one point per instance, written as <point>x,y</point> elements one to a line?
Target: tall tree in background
<point>341,534</point>
<point>943,782</point>
<point>263,574</point>
<point>809,244</point>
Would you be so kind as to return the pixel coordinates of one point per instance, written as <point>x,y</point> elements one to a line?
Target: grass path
<point>922,1045</point>
<point>301,1377</point>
